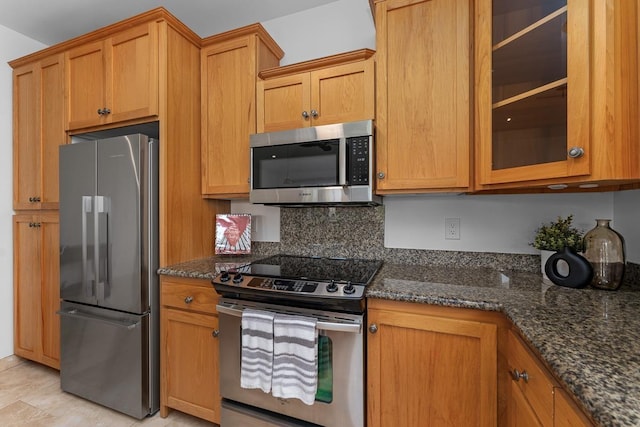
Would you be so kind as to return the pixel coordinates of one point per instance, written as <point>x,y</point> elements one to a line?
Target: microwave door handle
<point>342,162</point>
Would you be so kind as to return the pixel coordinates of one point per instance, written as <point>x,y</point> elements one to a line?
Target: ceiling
<point>54,21</point>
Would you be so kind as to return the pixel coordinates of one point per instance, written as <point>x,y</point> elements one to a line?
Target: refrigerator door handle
<point>78,314</point>
<point>102,263</point>
<point>87,202</point>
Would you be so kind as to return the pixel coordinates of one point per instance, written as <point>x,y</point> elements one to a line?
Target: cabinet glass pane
<point>529,82</point>
<point>534,59</point>
<point>531,131</point>
<point>511,16</point>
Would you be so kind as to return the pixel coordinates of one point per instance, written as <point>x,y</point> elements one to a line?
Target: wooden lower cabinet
<point>431,366</point>
<point>189,348</point>
<point>536,399</point>
<point>36,287</point>
<point>567,414</point>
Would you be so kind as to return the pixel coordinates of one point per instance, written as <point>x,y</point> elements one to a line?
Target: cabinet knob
<point>373,328</point>
<point>100,111</point>
<point>37,199</point>
<point>106,111</point>
<point>517,375</point>
<point>32,199</point>
<point>575,152</point>
<point>381,175</point>
<point>305,114</point>
<point>314,114</point>
<point>188,300</point>
<point>215,333</point>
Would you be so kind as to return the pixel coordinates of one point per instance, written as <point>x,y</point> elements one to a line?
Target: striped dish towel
<point>257,350</point>
<point>295,358</point>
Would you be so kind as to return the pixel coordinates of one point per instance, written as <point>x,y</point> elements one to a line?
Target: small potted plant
<point>554,236</point>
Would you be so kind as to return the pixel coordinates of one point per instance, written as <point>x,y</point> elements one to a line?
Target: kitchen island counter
<point>590,339</point>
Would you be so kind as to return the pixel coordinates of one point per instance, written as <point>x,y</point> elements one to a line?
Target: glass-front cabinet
<point>556,94</point>
<point>533,62</point>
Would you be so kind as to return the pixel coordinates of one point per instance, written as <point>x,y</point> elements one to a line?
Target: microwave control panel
<point>358,159</point>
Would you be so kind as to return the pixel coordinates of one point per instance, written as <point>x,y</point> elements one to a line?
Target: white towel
<point>295,358</point>
<point>257,350</point>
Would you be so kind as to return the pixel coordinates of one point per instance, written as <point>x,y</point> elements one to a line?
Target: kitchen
<point>489,223</point>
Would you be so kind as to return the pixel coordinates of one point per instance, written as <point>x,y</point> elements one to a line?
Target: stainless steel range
<point>329,290</point>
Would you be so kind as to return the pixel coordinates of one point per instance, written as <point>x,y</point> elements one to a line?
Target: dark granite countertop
<point>589,338</point>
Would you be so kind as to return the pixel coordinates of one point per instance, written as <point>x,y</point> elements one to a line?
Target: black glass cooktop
<point>356,271</point>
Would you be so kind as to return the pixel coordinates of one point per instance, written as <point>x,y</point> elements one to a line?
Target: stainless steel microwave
<point>325,165</point>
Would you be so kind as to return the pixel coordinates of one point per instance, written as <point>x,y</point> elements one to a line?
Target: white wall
<point>12,45</point>
<point>338,27</point>
<point>627,221</point>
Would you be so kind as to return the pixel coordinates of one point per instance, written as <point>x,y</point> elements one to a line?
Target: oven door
<point>340,397</point>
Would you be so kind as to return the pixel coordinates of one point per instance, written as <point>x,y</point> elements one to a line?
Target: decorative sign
<point>233,234</point>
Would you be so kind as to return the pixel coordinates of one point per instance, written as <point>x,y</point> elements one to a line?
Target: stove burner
<point>313,282</point>
<point>356,271</point>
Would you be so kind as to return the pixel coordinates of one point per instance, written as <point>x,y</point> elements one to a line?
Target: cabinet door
<point>190,378</point>
<point>38,131</point>
<point>284,103</point>
<point>566,413</point>
<point>36,288</point>
<point>229,117</point>
<point>423,95</point>
<point>86,91</point>
<point>26,137</point>
<point>426,370</point>
<point>132,73</point>
<point>520,413</point>
<point>532,80</point>
<point>343,93</point>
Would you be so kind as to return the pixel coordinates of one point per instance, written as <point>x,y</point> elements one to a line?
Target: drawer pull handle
<point>188,300</point>
<point>517,375</point>
<point>215,333</point>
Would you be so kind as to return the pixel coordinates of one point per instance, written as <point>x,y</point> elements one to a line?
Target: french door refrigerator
<point>108,282</point>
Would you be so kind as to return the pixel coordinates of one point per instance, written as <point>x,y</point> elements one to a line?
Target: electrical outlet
<point>452,228</point>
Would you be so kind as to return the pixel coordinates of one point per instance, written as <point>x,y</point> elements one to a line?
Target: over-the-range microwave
<point>323,165</point>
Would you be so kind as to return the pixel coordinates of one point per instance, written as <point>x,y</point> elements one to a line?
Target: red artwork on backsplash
<point>233,234</point>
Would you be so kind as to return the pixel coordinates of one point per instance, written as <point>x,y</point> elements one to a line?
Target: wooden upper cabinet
<point>557,97</point>
<point>36,287</point>
<point>335,89</point>
<point>423,95</point>
<point>427,368</point>
<point>38,130</point>
<point>113,80</point>
<point>230,63</point>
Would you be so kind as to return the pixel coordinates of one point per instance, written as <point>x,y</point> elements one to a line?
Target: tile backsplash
<point>351,232</point>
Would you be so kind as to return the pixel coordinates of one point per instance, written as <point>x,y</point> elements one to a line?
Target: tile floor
<point>30,396</point>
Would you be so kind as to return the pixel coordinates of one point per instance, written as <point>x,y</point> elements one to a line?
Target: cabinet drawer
<point>195,295</point>
<point>535,383</point>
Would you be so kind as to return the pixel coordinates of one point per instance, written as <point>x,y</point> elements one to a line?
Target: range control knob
<point>224,276</point>
<point>349,288</point>
<point>237,278</point>
<point>332,287</point>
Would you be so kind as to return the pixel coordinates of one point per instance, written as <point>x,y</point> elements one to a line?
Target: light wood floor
<point>30,396</point>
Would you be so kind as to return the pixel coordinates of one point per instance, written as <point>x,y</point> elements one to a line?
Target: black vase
<point>580,270</point>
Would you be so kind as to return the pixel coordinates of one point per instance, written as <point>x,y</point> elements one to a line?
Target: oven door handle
<point>355,328</point>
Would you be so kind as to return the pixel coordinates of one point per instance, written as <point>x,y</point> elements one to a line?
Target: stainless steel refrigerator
<point>108,282</point>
